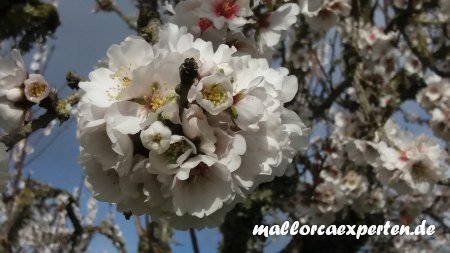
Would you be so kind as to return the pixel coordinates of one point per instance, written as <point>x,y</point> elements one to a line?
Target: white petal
<point>124,117</point>
<point>250,110</point>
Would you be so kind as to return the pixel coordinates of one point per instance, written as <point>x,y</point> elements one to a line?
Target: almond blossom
<point>205,125</point>
<point>153,155</point>
<point>271,25</point>
<point>253,30</point>
<point>322,15</point>
<point>36,88</point>
<point>220,12</point>
<point>415,163</point>
<point>12,76</point>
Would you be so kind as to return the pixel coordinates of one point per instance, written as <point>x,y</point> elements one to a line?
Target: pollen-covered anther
<point>176,150</point>
<point>37,89</point>
<point>154,103</point>
<point>156,138</point>
<point>123,77</point>
<point>215,94</point>
<point>126,81</point>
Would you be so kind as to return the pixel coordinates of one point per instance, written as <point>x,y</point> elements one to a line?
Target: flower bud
<point>156,137</point>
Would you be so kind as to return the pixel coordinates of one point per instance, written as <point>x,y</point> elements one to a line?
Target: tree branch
<point>328,102</point>
<point>194,241</point>
<point>60,111</point>
<point>110,6</point>
<point>148,22</point>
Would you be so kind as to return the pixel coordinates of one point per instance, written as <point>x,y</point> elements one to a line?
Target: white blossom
<point>11,117</point>
<point>141,152</point>
<point>322,15</point>
<point>36,88</point>
<point>214,93</point>
<point>157,137</point>
<point>272,25</point>
<point>329,197</point>
<point>230,12</point>
<point>12,76</point>
<point>414,164</point>
<point>12,72</point>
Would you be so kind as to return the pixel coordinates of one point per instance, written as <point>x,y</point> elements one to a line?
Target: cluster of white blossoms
<point>16,89</point>
<point>321,15</point>
<point>337,191</point>
<point>435,98</point>
<point>252,27</point>
<point>411,163</point>
<point>402,161</point>
<point>12,76</point>
<point>18,92</point>
<point>152,143</point>
<point>407,169</point>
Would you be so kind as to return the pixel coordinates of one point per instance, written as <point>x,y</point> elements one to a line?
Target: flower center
<point>156,138</point>
<point>351,179</point>
<point>155,100</point>
<point>199,170</point>
<point>125,82</point>
<point>153,103</point>
<point>204,24</point>
<point>215,94</point>
<point>176,150</point>
<point>419,171</point>
<point>37,89</point>
<point>122,76</point>
<point>226,8</point>
<point>403,157</point>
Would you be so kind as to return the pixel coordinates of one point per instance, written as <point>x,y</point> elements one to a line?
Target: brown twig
<point>194,241</point>
<point>60,111</point>
<point>148,22</point>
<point>113,8</point>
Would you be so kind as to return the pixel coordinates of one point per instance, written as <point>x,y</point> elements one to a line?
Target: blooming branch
<point>60,110</point>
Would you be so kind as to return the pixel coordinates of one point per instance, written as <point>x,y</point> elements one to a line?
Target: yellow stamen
<point>156,138</point>
<point>215,94</point>
<point>37,89</point>
<point>154,103</point>
<point>126,81</point>
<point>176,150</point>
